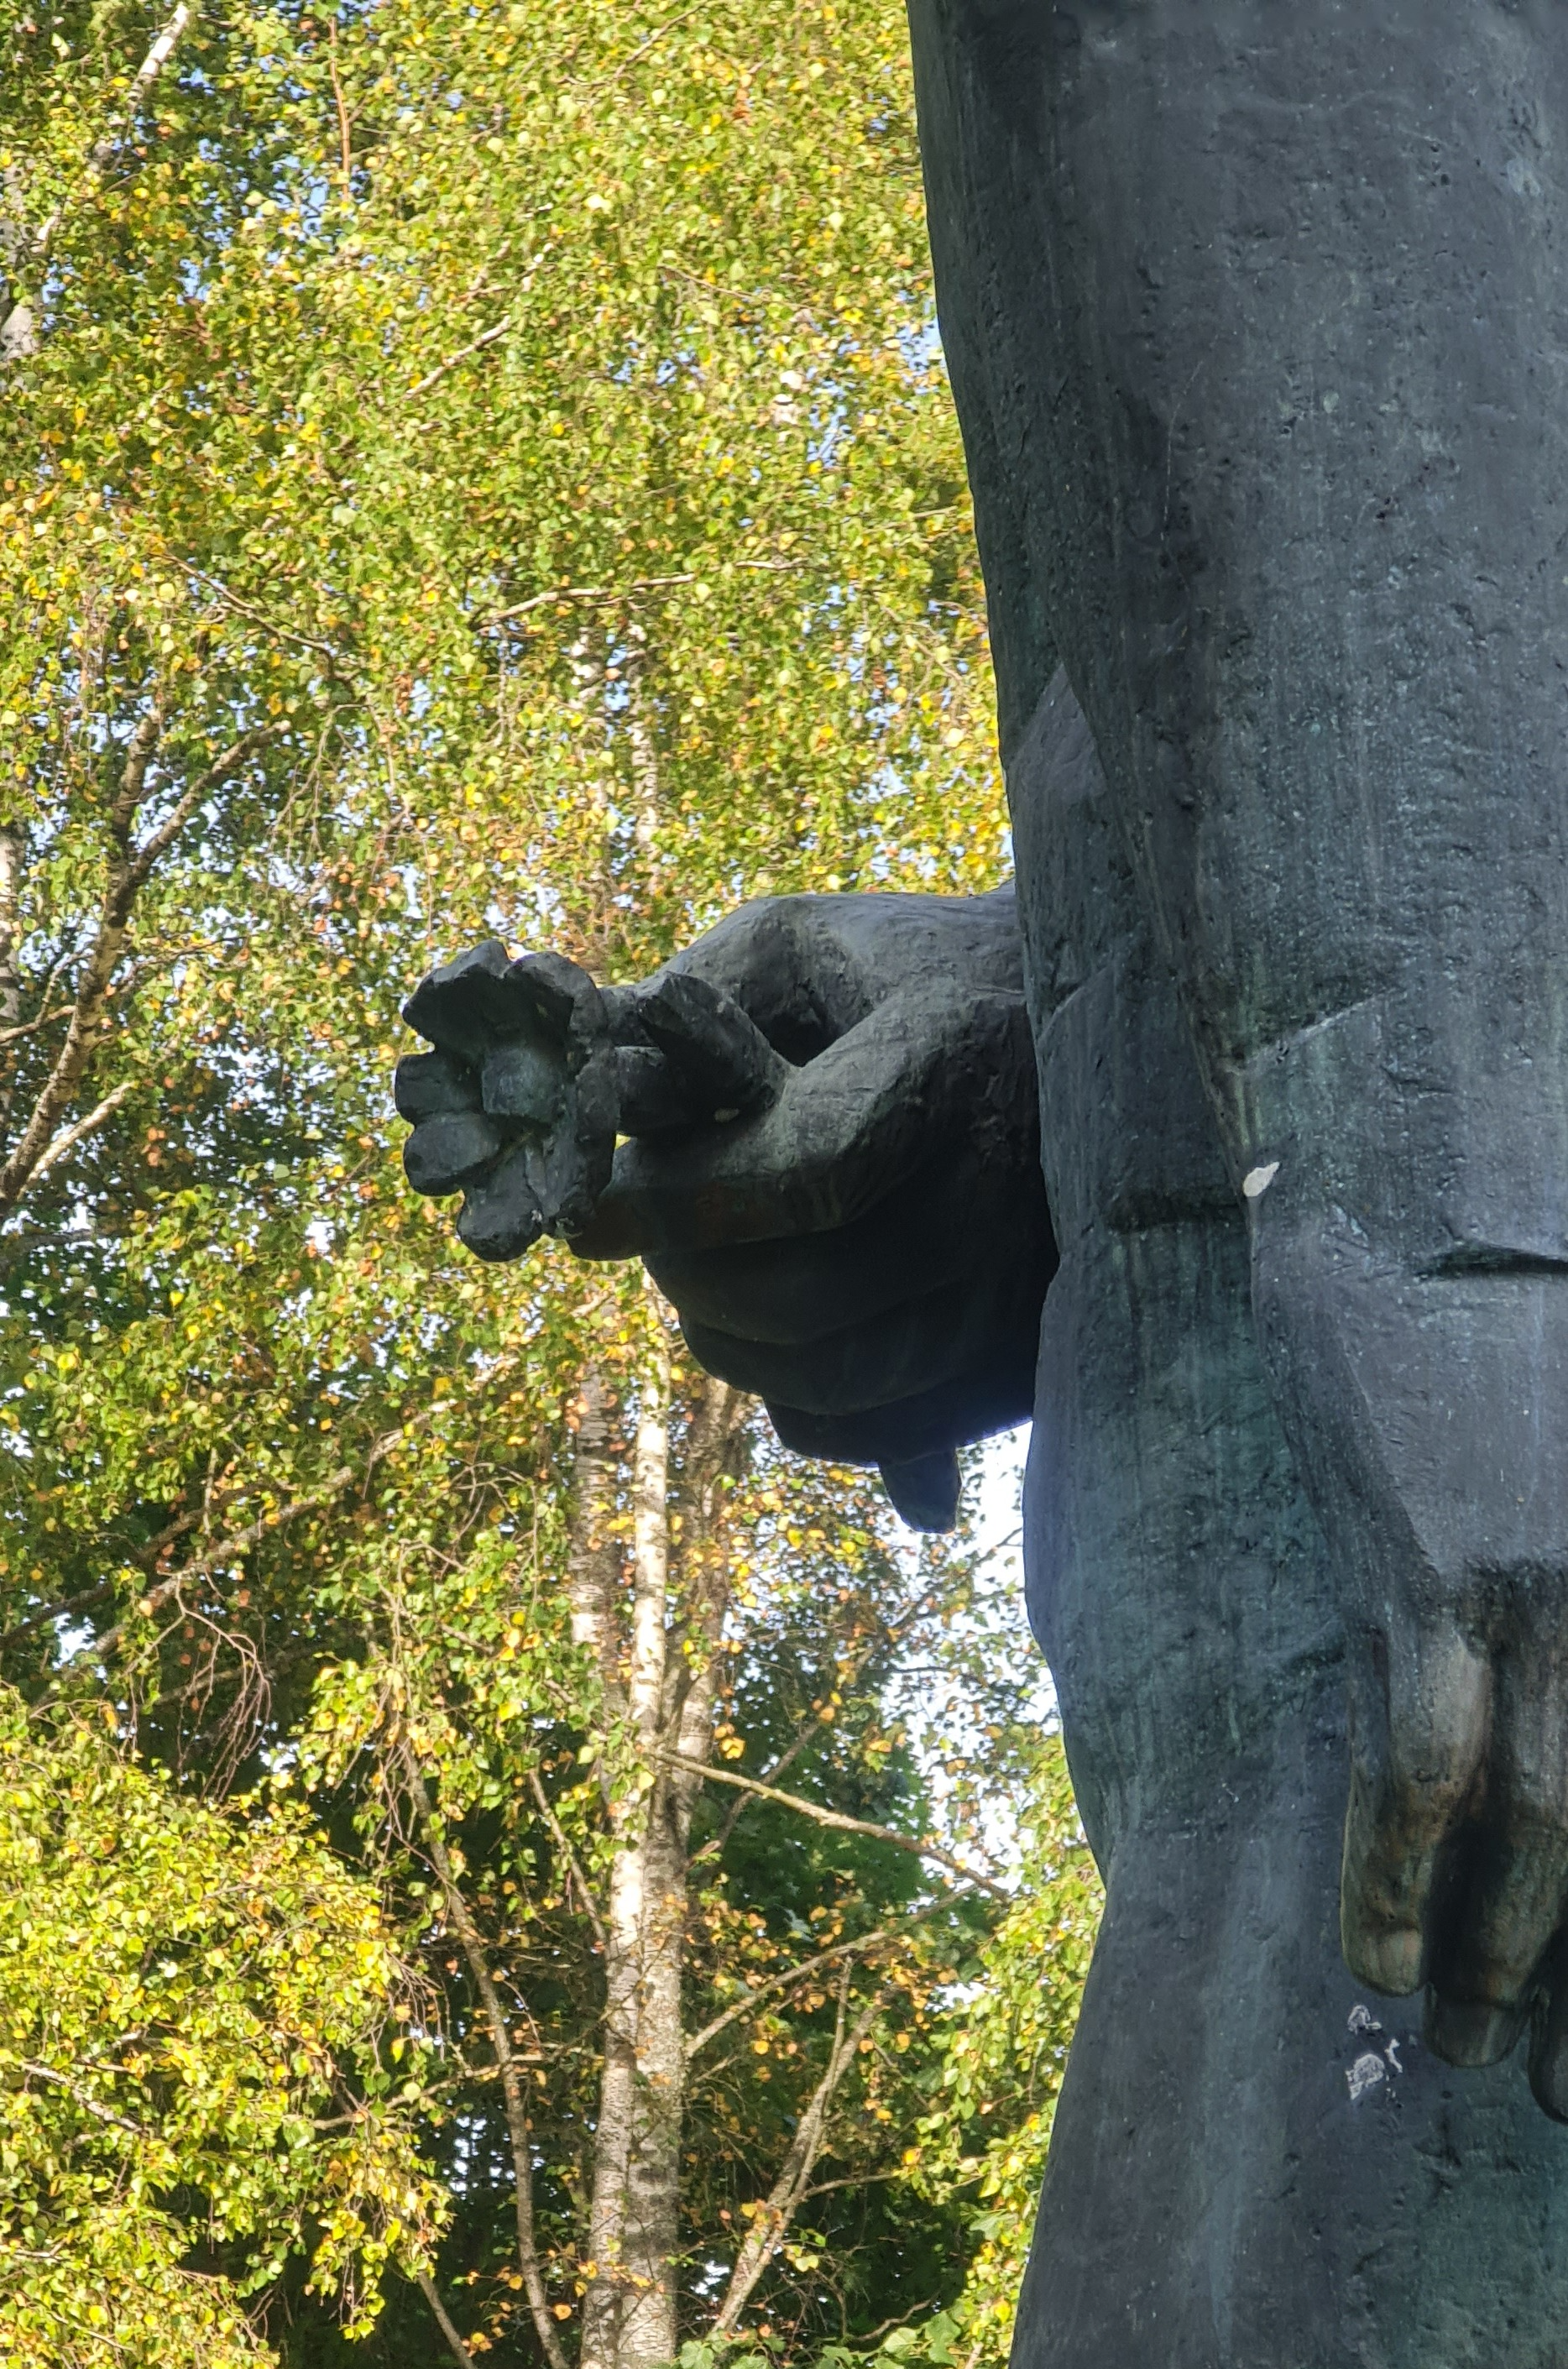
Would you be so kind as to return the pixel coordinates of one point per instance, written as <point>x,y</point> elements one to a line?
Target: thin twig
<point>229,1547</point>
<point>625,591</point>
<point>562,1844</point>
<point>257,616</point>
<point>126,875</point>
<point>80,2098</point>
<point>844,1825</point>
<point>786,1980</point>
<point>774,2217</point>
<point>852,2179</point>
<point>792,1975</point>
<point>643,47</point>
<point>586,592</point>
<point>713,1847</point>
<point>343,129</point>
<point>474,346</point>
<point>238,1541</point>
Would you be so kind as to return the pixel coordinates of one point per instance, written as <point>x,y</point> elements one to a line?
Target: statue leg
<point>1256,2165</point>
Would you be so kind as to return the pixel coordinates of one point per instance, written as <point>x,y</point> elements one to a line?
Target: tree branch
<point>773,2219</point>
<point>547,1812</point>
<point>473,1950</point>
<point>460,2351</point>
<point>225,1550</point>
<point>713,1847</point>
<point>13,845</point>
<point>80,2098</point>
<point>29,1027</point>
<point>54,1611</point>
<point>126,875</point>
<point>18,334</point>
<point>344,137</point>
<point>236,1543</point>
<point>786,1980</point>
<point>239,1541</point>
<point>257,616</point>
<point>642,48</point>
<point>139,752</point>
<point>168,832</point>
<point>146,74</point>
<point>474,346</point>
<point>845,1825</point>
<point>69,1137</point>
<point>584,593</point>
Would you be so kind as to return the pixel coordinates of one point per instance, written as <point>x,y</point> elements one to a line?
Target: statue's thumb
<point>725,1063</point>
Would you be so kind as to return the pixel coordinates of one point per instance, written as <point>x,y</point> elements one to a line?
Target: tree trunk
<point>629,2312</point>
<point>593,1567</point>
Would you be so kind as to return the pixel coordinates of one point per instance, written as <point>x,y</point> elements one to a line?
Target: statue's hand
<point>536,1073</point>
<point>1427,1406</point>
<point>1456,1844</point>
<point>830,1159</point>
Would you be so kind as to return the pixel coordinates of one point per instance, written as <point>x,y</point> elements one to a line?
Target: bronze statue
<point>1256,313</point>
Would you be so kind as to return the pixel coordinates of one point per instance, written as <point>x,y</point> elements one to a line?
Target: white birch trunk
<point>629,2312</point>
<point>665,1697</point>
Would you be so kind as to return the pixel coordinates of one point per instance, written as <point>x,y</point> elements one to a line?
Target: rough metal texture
<point>1257,317</point>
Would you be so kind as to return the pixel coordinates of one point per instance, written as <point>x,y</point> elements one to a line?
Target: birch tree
<point>477,469</point>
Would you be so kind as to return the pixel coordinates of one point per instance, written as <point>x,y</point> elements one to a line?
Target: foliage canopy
<point>467,469</point>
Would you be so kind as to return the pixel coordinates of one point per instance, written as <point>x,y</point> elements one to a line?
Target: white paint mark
<point>1391,2052</point>
<point>1364,2076</point>
<point>1361,2019</point>
<point>1257,1182</point>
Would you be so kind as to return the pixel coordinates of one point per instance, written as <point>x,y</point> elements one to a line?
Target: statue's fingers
<point>501,1214</point>
<point>545,1183</point>
<point>926,1232</point>
<point>1503,1921</point>
<point>992,1397</point>
<point>484,999</point>
<point>845,1129</point>
<point>1419,1708</point>
<point>448,1151</point>
<point>463,1006</point>
<point>725,1063</point>
<point>925,1490</point>
<point>1549,2037</point>
<point>916,1347</point>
